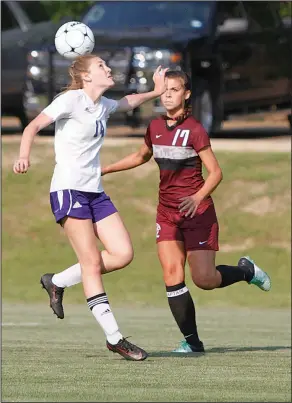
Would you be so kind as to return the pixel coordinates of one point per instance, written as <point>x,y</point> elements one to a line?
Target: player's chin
<point>169,107</point>
<point>111,82</point>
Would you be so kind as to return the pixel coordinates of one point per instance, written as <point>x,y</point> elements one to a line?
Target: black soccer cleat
<point>127,350</point>
<point>55,294</point>
<point>198,348</point>
<point>185,348</point>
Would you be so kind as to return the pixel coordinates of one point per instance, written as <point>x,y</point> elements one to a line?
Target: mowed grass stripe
<point>248,357</point>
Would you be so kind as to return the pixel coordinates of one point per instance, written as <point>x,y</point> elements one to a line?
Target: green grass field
<point>253,206</point>
<point>247,332</point>
<point>44,359</point>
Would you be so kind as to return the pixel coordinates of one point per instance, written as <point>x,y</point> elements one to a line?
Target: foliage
<point>69,9</point>
<point>285,8</point>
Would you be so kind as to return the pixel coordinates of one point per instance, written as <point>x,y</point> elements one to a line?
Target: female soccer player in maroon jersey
<point>186,224</point>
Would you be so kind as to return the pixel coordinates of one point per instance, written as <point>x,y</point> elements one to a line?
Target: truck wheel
<point>23,120</point>
<point>207,107</point>
<point>290,119</point>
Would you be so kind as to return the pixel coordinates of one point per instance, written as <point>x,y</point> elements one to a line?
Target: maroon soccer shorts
<point>198,233</point>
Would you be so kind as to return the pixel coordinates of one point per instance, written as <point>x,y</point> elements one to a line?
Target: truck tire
<point>207,107</point>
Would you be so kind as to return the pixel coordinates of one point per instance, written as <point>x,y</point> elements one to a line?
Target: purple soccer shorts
<point>83,205</point>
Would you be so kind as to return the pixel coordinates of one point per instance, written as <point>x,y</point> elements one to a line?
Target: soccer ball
<point>74,39</point>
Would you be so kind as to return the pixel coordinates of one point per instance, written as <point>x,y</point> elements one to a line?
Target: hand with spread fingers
<point>159,80</point>
<point>189,205</point>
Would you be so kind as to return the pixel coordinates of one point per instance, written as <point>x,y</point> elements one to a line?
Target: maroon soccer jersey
<point>175,149</point>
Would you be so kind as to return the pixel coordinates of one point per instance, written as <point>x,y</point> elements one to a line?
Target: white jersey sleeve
<point>110,106</point>
<point>62,106</point>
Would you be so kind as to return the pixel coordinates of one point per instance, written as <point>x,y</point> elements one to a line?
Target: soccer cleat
<point>185,347</point>
<point>260,278</point>
<point>127,350</point>
<point>55,294</point>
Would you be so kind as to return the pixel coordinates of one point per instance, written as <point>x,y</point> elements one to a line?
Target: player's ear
<point>187,94</point>
<point>86,77</point>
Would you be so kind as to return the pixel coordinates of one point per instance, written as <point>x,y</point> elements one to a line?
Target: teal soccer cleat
<point>185,348</point>
<point>260,278</point>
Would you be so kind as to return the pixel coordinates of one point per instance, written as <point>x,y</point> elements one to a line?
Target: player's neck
<point>94,93</point>
<point>172,115</point>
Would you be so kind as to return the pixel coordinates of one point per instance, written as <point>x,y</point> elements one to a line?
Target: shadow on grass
<point>220,350</point>
<point>217,350</point>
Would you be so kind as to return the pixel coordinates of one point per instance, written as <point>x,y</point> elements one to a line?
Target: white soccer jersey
<point>79,133</point>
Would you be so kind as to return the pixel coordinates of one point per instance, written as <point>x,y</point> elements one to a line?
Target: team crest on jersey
<point>158,229</point>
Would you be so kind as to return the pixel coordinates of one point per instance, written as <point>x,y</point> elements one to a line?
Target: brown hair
<point>185,78</point>
<point>80,65</point>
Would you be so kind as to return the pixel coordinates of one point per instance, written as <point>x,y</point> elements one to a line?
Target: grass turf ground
<point>248,357</point>
<point>248,349</point>
<point>253,206</point>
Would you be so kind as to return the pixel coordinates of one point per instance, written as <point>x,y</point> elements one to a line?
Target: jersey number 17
<point>183,134</point>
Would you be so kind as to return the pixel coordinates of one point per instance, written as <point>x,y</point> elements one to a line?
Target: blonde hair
<point>79,66</point>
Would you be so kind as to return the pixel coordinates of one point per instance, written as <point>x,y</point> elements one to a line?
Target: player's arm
<point>189,204</point>
<point>132,101</point>
<point>22,164</point>
<point>61,107</point>
<point>214,173</point>
<point>140,157</point>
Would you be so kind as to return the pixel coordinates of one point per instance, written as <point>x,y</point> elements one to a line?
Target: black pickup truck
<point>237,53</point>
<point>24,25</point>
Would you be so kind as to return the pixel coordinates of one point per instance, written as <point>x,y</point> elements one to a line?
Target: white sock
<point>68,277</point>
<point>102,312</point>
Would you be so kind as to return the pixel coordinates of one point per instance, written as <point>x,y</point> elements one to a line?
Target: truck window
<point>261,16</point>
<point>8,20</point>
<point>35,11</point>
<point>230,9</point>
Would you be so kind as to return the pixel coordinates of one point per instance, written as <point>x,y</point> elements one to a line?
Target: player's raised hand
<point>159,80</point>
<point>21,166</point>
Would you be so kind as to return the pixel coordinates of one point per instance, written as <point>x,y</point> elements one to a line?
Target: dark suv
<point>237,53</point>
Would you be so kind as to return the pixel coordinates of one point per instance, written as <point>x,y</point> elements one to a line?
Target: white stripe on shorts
<point>177,292</point>
<point>60,198</point>
<point>70,206</point>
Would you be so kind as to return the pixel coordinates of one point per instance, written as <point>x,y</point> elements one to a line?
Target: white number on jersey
<point>181,133</point>
<point>99,129</point>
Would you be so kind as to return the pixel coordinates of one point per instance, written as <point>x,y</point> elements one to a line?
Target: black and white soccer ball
<point>74,39</point>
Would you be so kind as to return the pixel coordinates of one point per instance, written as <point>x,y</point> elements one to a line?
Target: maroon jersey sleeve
<point>147,137</point>
<point>200,138</point>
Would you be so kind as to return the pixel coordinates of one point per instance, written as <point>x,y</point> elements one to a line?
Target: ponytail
<point>79,66</point>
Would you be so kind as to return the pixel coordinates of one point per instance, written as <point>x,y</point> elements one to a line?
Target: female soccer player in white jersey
<point>76,194</point>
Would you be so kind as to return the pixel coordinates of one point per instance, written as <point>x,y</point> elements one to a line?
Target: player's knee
<point>92,267</point>
<point>173,274</point>
<point>126,256</point>
<point>205,282</point>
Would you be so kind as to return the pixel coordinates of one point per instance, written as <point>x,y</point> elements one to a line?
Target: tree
<point>285,9</point>
<point>60,9</point>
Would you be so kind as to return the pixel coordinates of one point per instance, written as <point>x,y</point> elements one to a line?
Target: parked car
<point>237,53</point>
<point>24,25</point>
